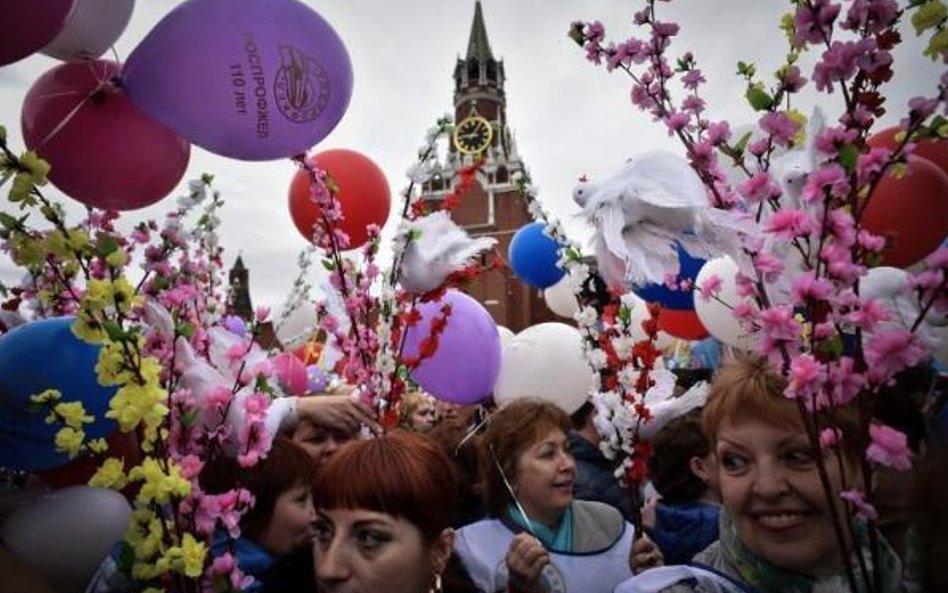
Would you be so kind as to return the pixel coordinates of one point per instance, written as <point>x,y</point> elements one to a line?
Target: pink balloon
<point>291,373</point>
<point>249,79</point>
<point>26,27</point>
<point>103,151</point>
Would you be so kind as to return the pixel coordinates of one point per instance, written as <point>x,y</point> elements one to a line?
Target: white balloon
<point>66,534</point>
<point>506,334</point>
<point>545,361</point>
<point>561,299</point>
<point>717,316</point>
<point>639,313</point>
<point>92,28</point>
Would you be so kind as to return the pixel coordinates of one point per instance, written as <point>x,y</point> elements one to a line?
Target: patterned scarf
<point>764,577</point>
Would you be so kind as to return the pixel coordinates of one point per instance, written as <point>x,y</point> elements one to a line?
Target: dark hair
<point>579,417</point>
<point>511,431</point>
<point>402,474</point>
<point>286,465</point>
<point>670,464</point>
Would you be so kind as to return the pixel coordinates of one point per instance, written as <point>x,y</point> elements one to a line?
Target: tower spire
<point>478,47</point>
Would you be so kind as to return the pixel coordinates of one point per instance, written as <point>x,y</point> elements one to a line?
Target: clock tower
<point>493,207</point>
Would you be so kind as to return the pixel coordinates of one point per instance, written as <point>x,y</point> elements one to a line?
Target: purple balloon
<point>467,361</point>
<point>317,379</point>
<point>249,79</point>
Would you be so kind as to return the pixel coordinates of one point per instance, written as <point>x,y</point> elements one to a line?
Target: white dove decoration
<point>653,201</point>
<point>791,169</point>
<point>664,407</point>
<point>440,248</point>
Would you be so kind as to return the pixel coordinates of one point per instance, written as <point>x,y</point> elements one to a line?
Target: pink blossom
<point>839,62</point>
<point>830,437</point>
<point>869,165</point>
<point>261,314</point>
<point>778,327</point>
<point>863,507</point>
<point>870,242</point>
<point>759,148</point>
<point>809,288</point>
<point>868,315</point>
<point>665,29</point>
<point>256,405</point>
<point>789,223</point>
<point>806,379</point>
<point>830,139</point>
<point>676,122</point>
<point>814,25</point>
<point>938,258</point>
<point>768,265</point>
<point>595,32</point>
<point>235,353</point>
<point>760,187</point>
<point>889,447</point>
<point>830,178</point>
<point>692,79</point>
<point>847,383</point>
<point>190,466</point>
<point>791,80</point>
<point>718,132</point>
<point>693,104</point>
<point>710,287</point>
<point>780,127</point>
<point>873,16</point>
<point>223,564</point>
<point>890,351</point>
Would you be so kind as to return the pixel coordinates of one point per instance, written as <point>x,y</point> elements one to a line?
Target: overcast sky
<point>569,117</point>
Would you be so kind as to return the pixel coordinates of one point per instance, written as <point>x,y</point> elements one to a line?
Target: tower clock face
<point>473,135</point>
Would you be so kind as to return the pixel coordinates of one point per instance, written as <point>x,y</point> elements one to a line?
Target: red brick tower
<point>493,208</point>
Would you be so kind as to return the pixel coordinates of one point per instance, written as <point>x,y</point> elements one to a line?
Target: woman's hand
<point>645,555</point>
<point>344,413</point>
<point>525,559</point>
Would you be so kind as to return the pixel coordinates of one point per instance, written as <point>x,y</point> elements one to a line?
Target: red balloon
<point>363,194</point>
<point>683,324</point>
<point>934,150</point>
<point>911,211</point>
<point>103,151</point>
<point>26,27</point>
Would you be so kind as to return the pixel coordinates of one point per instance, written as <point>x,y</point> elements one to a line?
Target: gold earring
<point>436,587</point>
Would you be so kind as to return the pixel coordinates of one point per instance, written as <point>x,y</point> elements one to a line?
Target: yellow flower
<point>56,244</point>
<point>938,44</point>
<point>112,368</point>
<point>69,440</point>
<point>798,118</point>
<point>87,329</point>
<point>98,295</point>
<point>50,395</point>
<point>98,445</point>
<point>111,474</point>
<point>27,251</point>
<point>124,296</point>
<point>73,414</point>
<point>189,557</point>
<point>157,485</point>
<point>117,258</point>
<point>134,403</point>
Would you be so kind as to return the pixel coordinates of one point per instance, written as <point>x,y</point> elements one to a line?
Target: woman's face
<point>771,489</point>
<point>543,480</point>
<point>360,551</point>
<point>292,523</point>
<point>318,441</point>
<point>424,416</point>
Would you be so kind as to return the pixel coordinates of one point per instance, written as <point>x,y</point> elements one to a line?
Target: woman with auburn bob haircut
<point>385,508</point>
<point>776,524</point>
<point>539,539</point>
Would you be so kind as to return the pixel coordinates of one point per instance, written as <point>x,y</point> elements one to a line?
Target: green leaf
<point>758,98</point>
<point>3,135</point>
<point>329,265</point>
<point>184,329</point>
<point>114,330</point>
<point>8,222</point>
<point>742,144</point>
<point>105,244</point>
<point>189,417</point>
<point>848,155</point>
<point>929,16</point>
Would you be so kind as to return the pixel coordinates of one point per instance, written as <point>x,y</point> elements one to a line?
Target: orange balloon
<point>362,191</point>
<point>934,150</point>
<point>911,211</point>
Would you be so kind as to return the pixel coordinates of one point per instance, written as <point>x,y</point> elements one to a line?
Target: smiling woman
<point>539,538</point>
<point>777,532</point>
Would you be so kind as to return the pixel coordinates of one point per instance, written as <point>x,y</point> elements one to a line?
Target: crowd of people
<point>521,499</point>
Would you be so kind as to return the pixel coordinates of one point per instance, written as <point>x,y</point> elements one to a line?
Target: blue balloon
<point>533,256</point>
<point>679,300</point>
<point>34,357</point>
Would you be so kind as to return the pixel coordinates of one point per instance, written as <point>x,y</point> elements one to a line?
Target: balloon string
<point>470,434</point>
<point>510,490</point>
<point>72,113</point>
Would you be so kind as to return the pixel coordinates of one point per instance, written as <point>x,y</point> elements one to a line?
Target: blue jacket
<point>595,476</point>
<point>253,560</point>
<point>683,530</point>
